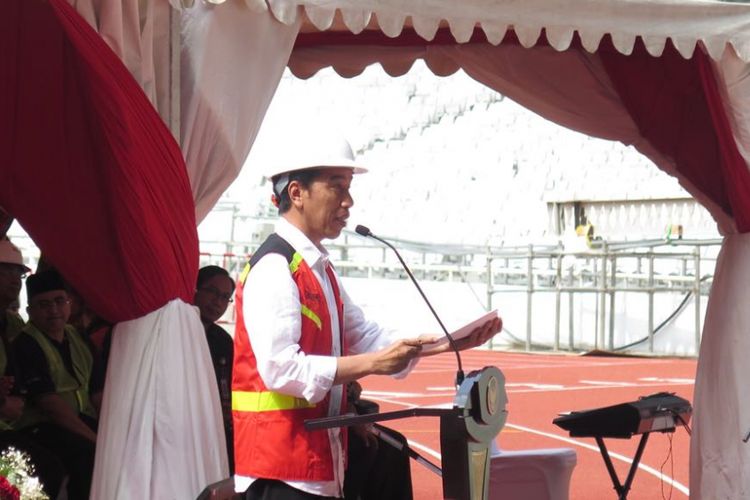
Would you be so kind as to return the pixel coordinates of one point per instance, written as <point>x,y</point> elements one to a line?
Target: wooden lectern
<point>466,431</point>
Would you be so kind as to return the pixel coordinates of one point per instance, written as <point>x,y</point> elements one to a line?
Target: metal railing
<point>646,267</point>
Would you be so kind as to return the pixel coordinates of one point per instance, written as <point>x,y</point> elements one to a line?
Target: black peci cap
<point>46,281</point>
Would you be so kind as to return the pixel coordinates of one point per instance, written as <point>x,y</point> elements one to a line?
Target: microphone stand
<point>363,231</point>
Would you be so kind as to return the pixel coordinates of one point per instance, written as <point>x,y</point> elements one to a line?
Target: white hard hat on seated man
<point>10,255</point>
<point>315,152</point>
<point>12,271</point>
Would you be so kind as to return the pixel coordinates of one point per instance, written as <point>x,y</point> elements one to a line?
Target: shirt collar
<point>301,243</point>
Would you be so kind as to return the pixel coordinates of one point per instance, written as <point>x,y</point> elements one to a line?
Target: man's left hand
<point>481,334</point>
<point>477,337</point>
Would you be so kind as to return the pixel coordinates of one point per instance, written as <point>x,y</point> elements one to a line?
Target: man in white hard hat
<point>12,270</point>
<point>299,337</point>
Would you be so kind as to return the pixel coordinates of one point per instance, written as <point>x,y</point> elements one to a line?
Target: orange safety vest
<point>270,440</point>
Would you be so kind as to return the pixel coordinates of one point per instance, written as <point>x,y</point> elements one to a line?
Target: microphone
<point>364,231</point>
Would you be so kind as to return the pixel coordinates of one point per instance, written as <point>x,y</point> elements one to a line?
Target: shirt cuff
<point>324,368</point>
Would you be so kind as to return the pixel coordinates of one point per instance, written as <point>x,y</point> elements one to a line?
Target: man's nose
<point>348,201</point>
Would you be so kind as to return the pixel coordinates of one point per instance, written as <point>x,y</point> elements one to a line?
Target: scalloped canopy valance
<point>713,24</point>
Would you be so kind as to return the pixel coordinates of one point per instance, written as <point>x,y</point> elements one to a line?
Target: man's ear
<point>295,190</point>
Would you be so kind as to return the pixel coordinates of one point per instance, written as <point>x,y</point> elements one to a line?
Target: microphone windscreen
<point>362,230</point>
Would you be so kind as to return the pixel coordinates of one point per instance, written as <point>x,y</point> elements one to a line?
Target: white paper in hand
<point>462,332</point>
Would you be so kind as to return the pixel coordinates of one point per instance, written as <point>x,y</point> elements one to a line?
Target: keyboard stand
<point>622,489</point>
<point>660,412</point>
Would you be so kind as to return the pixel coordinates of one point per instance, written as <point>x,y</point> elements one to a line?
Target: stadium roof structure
<point>92,173</point>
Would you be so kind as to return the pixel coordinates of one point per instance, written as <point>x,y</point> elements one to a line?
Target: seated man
<point>213,293</point>
<point>57,371</point>
<point>12,270</point>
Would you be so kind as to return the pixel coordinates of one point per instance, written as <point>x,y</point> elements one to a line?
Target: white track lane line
<point>430,367</point>
<point>424,449</point>
<point>435,392</point>
<point>650,470</point>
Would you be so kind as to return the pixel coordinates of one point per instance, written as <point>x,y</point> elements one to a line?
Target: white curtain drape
<point>232,60</point>
<point>138,32</point>
<point>719,458</point>
<point>160,433</point>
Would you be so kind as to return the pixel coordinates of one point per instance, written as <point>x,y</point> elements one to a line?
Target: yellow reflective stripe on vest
<point>294,264</point>
<point>306,311</point>
<point>266,401</point>
<point>244,273</point>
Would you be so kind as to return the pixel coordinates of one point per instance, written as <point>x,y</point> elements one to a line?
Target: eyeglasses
<point>12,270</point>
<point>217,294</point>
<point>46,305</point>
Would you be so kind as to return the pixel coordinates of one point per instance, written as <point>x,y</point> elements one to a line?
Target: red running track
<point>540,387</point>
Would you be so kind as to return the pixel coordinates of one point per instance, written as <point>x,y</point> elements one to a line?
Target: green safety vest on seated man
<point>74,390</point>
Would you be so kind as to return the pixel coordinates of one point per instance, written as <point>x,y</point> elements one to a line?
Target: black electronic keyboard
<point>660,412</point>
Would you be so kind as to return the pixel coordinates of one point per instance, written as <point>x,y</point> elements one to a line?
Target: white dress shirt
<point>271,308</point>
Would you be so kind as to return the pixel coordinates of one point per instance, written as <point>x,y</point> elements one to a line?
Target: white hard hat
<point>10,254</point>
<point>314,151</point>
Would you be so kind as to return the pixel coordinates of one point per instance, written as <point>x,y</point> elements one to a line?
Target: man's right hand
<point>387,361</point>
<point>396,357</point>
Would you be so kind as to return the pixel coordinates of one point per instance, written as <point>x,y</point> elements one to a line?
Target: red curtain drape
<point>88,167</point>
<point>677,106</point>
<point>734,166</point>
